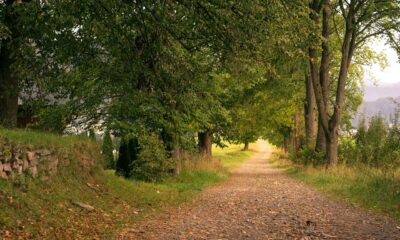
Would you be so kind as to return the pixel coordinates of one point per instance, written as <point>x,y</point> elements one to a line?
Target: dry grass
<point>199,163</point>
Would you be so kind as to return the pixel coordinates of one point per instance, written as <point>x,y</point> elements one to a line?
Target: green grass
<point>362,185</point>
<point>233,156</point>
<point>32,208</point>
<point>39,139</point>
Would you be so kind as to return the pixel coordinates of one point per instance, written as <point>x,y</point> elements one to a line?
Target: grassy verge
<point>36,209</point>
<point>362,185</point>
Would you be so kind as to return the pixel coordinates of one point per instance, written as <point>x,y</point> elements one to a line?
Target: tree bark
<point>332,148</point>
<point>8,91</point>
<point>205,143</point>
<point>348,46</point>
<point>296,132</point>
<point>320,145</point>
<point>310,113</point>
<point>324,76</point>
<point>8,80</point>
<point>321,85</point>
<point>176,155</point>
<point>246,146</point>
<point>285,144</point>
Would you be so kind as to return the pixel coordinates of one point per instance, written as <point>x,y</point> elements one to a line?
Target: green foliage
<point>372,141</point>
<point>51,119</point>
<point>391,149</point>
<point>376,145</point>
<point>107,151</point>
<point>348,150</point>
<point>308,156</point>
<point>152,162</point>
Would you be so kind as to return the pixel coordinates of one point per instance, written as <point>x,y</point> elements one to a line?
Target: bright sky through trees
<point>388,75</point>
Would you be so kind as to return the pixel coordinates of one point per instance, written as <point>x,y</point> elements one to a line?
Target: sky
<point>389,75</point>
<point>383,83</point>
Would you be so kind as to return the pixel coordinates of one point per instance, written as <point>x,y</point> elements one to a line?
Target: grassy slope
<point>44,209</point>
<point>361,185</point>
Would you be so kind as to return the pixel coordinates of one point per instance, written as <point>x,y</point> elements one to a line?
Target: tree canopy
<point>192,71</point>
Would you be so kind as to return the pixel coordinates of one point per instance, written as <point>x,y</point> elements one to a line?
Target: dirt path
<point>259,202</point>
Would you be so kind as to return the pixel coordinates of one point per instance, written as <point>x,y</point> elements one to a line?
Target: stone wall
<point>17,160</point>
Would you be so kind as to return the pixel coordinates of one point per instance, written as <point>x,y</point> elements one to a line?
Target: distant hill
<point>386,107</point>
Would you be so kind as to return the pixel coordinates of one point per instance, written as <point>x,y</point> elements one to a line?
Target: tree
<point>152,163</point>
<point>9,79</point>
<point>362,20</point>
<point>128,153</point>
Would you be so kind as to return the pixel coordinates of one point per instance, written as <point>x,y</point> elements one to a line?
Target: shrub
<point>107,151</point>
<point>377,145</point>
<point>370,143</point>
<point>51,119</point>
<point>152,162</point>
<point>308,156</point>
<point>348,151</point>
<point>392,149</point>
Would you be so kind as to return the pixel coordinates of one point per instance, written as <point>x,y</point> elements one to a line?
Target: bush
<point>107,151</point>
<point>348,151</point>
<point>51,119</point>
<point>309,156</point>
<point>377,145</point>
<point>152,162</point>
<point>392,149</point>
<point>370,143</point>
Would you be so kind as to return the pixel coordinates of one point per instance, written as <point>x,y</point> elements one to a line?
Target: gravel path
<point>259,202</point>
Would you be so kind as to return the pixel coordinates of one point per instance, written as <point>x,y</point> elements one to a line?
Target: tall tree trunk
<point>320,145</point>
<point>8,80</point>
<point>332,148</point>
<point>175,139</point>
<point>324,75</point>
<point>321,84</point>
<point>331,124</point>
<point>176,155</point>
<point>286,144</point>
<point>310,113</point>
<point>348,47</point>
<point>297,130</point>
<point>246,146</point>
<point>205,143</point>
<point>8,91</point>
